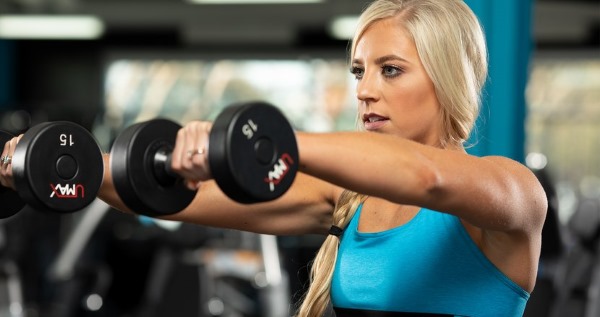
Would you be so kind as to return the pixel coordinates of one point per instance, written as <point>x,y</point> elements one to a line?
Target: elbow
<point>430,181</point>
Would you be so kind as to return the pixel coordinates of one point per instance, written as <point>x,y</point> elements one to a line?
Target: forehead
<point>385,37</point>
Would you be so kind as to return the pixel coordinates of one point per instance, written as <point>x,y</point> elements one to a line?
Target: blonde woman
<point>414,223</point>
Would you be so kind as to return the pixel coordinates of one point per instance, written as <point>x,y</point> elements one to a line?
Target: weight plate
<point>135,175</point>
<point>9,199</point>
<point>253,152</point>
<point>57,166</point>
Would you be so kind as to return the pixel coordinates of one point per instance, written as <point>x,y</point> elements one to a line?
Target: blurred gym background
<point>106,64</point>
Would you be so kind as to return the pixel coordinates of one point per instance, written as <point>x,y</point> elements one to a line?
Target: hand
<point>6,175</point>
<point>190,155</point>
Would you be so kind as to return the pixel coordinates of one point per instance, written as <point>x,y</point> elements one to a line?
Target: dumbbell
<point>57,167</point>
<point>252,155</point>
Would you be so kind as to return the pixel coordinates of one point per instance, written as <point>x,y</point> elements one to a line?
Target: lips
<point>373,121</point>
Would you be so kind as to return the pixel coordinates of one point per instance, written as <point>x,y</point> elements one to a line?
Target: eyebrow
<point>383,59</point>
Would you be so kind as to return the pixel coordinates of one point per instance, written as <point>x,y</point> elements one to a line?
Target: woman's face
<point>395,94</point>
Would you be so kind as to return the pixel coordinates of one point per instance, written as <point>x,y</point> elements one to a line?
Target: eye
<point>391,71</point>
<point>357,72</point>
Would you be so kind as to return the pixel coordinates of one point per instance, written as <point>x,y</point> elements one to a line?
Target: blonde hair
<point>451,45</point>
<point>317,298</point>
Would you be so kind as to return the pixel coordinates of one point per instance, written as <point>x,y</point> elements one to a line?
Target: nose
<point>366,89</point>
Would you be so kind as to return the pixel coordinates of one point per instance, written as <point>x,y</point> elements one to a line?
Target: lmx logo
<point>67,191</point>
<point>280,169</point>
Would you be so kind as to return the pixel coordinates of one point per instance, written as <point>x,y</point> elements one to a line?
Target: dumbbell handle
<point>162,162</point>
<point>162,167</point>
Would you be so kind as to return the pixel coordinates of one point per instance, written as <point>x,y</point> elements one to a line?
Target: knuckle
<point>186,165</point>
<point>190,126</point>
<point>198,165</point>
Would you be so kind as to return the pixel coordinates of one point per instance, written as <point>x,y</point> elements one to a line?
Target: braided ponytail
<point>317,297</point>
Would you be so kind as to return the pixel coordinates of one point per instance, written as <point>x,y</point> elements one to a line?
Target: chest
<point>380,215</point>
<point>427,262</point>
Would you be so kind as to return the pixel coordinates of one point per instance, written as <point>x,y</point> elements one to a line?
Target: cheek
<point>419,97</point>
<point>412,101</point>
<point>416,110</point>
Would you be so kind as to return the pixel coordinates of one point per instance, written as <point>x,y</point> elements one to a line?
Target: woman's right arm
<point>305,208</point>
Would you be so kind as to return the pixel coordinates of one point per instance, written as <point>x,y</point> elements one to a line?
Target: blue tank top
<point>429,265</point>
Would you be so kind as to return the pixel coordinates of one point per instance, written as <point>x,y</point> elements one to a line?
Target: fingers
<point>193,185</point>
<point>4,169</point>
<point>190,155</point>
<point>6,175</point>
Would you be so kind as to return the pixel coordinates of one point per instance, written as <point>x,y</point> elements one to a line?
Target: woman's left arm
<point>492,193</point>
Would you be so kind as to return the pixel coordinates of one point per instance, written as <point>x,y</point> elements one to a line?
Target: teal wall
<point>508,28</point>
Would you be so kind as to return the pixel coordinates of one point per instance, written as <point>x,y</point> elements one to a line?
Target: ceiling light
<point>253,1</point>
<point>50,27</point>
<point>343,27</point>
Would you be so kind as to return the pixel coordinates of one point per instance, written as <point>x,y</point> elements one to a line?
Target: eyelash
<point>354,70</point>
<point>358,71</point>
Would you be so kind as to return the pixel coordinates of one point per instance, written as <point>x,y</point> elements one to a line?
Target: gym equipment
<point>10,200</point>
<point>253,154</point>
<point>57,166</point>
<point>253,157</point>
<point>140,171</point>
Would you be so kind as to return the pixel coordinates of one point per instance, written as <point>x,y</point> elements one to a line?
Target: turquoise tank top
<point>429,265</point>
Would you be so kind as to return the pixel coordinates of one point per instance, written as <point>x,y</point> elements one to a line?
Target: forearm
<point>305,208</point>
<point>107,192</point>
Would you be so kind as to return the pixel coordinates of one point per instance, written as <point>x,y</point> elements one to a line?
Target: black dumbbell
<point>253,157</point>
<point>57,166</point>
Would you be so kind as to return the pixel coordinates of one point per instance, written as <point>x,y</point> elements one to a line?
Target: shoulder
<point>524,186</point>
<point>514,171</point>
<point>510,167</point>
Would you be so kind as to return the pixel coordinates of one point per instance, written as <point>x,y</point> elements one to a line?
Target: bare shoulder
<point>504,161</point>
<point>515,250</point>
<point>525,186</point>
<point>514,170</point>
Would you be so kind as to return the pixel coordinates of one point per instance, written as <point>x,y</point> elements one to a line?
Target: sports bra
<point>428,265</point>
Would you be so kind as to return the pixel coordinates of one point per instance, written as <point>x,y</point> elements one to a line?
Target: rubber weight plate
<point>253,154</point>
<point>57,166</point>
<point>144,185</point>
<point>9,199</point>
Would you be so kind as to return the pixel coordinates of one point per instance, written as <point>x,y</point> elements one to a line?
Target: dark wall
<point>59,80</point>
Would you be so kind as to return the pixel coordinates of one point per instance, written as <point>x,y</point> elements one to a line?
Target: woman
<point>415,224</point>
<point>426,227</point>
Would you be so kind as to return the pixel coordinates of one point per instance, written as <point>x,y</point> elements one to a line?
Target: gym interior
<point>130,61</point>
